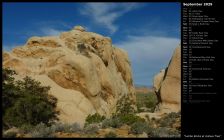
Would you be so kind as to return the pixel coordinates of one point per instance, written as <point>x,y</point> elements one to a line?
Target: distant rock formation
<point>167,85</point>
<point>143,89</point>
<point>86,73</point>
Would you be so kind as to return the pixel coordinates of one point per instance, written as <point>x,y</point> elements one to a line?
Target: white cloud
<point>106,14</point>
<point>41,31</point>
<point>51,31</point>
<point>48,28</point>
<point>52,23</point>
<point>151,48</point>
<point>148,55</point>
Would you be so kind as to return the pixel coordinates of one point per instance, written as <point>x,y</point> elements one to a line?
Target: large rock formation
<point>86,73</point>
<point>167,85</point>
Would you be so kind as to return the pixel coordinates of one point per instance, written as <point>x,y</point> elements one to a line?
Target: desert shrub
<point>68,128</point>
<point>174,133</point>
<point>124,106</point>
<point>71,128</point>
<point>42,131</point>
<point>95,118</point>
<point>75,127</point>
<point>112,122</point>
<point>164,132</point>
<point>123,115</point>
<point>169,119</point>
<point>148,100</point>
<point>29,110</point>
<point>140,127</point>
<point>110,135</point>
<point>91,129</point>
<point>26,128</point>
<point>10,90</point>
<point>125,111</point>
<point>151,102</point>
<point>118,121</point>
<point>58,127</point>
<point>130,119</point>
<point>165,129</point>
<point>26,102</point>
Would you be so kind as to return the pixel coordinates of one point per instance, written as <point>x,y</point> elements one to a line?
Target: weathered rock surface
<point>11,131</point>
<point>167,85</point>
<point>85,72</point>
<point>158,80</point>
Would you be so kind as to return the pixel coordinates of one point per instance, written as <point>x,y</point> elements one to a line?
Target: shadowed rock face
<point>167,85</point>
<point>85,72</point>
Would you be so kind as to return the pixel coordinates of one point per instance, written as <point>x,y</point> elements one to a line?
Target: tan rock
<point>168,85</point>
<point>149,115</point>
<point>174,68</point>
<point>143,89</point>
<point>143,135</point>
<point>79,28</point>
<point>45,42</point>
<point>158,80</point>
<point>170,90</point>
<point>6,56</point>
<point>12,130</point>
<point>86,73</point>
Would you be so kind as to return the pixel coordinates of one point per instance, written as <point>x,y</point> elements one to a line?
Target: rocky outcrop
<point>86,73</point>
<point>167,85</point>
<point>143,89</point>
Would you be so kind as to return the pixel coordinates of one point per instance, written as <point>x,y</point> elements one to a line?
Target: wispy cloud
<point>148,55</point>
<point>48,31</point>
<point>53,24</point>
<point>154,27</point>
<point>106,14</point>
<point>151,47</point>
<point>46,28</point>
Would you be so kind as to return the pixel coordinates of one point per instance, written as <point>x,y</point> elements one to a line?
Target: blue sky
<point>149,32</point>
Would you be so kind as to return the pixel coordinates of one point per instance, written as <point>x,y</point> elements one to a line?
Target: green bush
<point>68,128</point>
<point>42,131</point>
<point>59,127</point>
<point>26,102</point>
<point>164,132</point>
<point>130,119</point>
<point>169,119</point>
<point>110,135</point>
<point>95,118</point>
<point>140,127</point>
<point>26,128</point>
<point>91,129</point>
<point>10,90</point>
<point>148,100</point>
<point>124,106</point>
<point>118,121</point>
<point>123,115</point>
<point>112,122</point>
<point>125,111</point>
<point>29,110</point>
